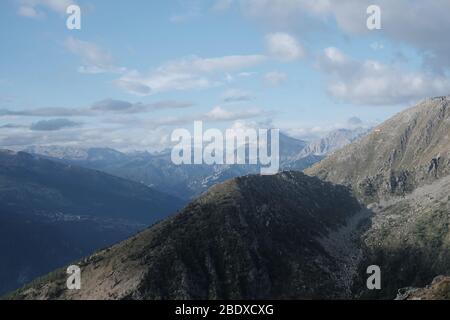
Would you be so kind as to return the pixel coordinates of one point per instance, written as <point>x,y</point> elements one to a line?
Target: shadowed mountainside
<point>254,237</point>
<point>52,213</point>
<point>402,170</point>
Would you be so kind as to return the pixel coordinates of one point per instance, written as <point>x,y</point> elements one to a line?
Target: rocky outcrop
<point>439,289</point>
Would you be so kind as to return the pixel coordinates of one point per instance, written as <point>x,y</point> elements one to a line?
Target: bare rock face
<point>254,237</point>
<point>409,238</point>
<point>401,170</point>
<point>409,150</point>
<point>439,289</point>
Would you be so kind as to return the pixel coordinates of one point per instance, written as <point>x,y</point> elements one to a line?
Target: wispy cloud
<point>284,47</point>
<point>120,106</point>
<point>100,108</point>
<point>235,95</point>
<point>187,73</point>
<point>221,5</point>
<point>36,8</point>
<point>12,126</point>
<point>216,114</point>
<point>189,9</point>
<point>419,24</point>
<point>275,78</point>
<point>220,114</point>
<point>94,58</point>
<point>53,125</point>
<point>369,82</point>
<point>127,133</point>
<point>45,112</point>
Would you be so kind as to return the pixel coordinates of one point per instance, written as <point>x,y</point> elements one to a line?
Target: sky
<point>137,70</point>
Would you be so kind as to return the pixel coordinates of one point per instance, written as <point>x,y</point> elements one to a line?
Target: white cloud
<point>126,131</point>
<point>132,83</point>
<point>27,11</point>
<point>185,74</point>
<point>34,8</point>
<point>222,5</point>
<point>245,74</point>
<point>275,78</point>
<point>216,114</point>
<point>94,58</point>
<point>190,9</point>
<point>299,16</point>
<point>419,24</point>
<point>124,107</point>
<point>369,82</point>
<point>98,109</point>
<point>235,95</point>
<point>220,114</point>
<point>284,47</point>
<point>209,65</point>
<point>120,137</point>
<point>161,81</point>
<point>45,112</point>
<point>283,10</point>
<point>53,125</point>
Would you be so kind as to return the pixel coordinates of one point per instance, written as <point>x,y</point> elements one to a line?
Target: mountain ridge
<point>52,213</point>
<point>184,181</point>
<point>247,238</point>
<point>406,151</point>
<point>401,171</point>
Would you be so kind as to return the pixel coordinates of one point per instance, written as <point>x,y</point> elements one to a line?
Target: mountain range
<point>52,213</point>
<point>157,170</point>
<point>382,200</point>
<point>252,237</point>
<point>58,204</point>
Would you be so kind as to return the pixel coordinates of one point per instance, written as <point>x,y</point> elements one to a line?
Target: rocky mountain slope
<point>409,150</point>
<point>439,289</point>
<point>409,238</point>
<point>286,236</point>
<point>401,169</point>
<point>52,213</point>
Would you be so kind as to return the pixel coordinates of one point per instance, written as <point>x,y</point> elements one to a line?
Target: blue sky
<point>138,69</point>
